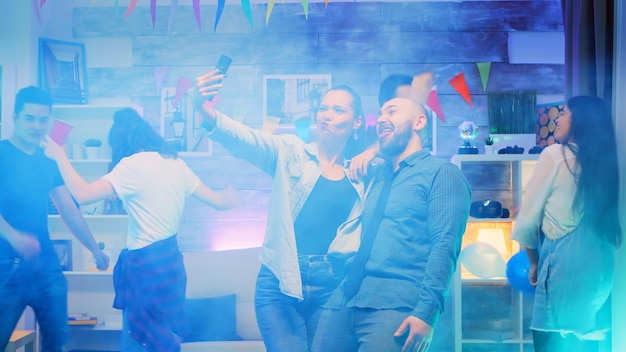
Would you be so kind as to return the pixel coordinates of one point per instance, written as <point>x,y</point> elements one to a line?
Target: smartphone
<point>59,131</point>
<point>222,65</point>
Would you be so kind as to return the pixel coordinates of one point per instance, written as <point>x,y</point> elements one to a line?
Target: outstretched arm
<point>221,200</point>
<point>75,222</point>
<point>82,191</point>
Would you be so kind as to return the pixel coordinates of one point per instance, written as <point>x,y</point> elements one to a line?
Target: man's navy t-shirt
<point>25,184</point>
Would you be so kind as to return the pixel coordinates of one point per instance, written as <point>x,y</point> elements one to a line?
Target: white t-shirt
<point>153,190</point>
<point>549,198</point>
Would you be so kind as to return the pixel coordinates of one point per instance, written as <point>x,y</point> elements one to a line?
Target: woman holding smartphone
<point>312,226</point>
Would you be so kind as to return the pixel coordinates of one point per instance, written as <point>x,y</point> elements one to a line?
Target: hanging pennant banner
<point>181,88</point>
<point>270,7</point>
<point>137,108</point>
<point>458,82</point>
<point>196,11</point>
<point>305,6</point>
<point>270,123</point>
<point>159,75</point>
<point>152,11</point>
<point>117,7</point>
<point>173,9</point>
<point>239,112</point>
<point>37,11</point>
<point>433,102</point>
<point>218,13</point>
<point>131,7</point>
<point>484,68</point>
<point>43,2</point>
<point>245,4</point>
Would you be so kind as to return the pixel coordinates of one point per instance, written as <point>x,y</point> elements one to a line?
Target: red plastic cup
<point>60,130</point>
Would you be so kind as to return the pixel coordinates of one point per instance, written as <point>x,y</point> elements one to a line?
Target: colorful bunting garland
<point>484,68</point>
<point>460,85</point>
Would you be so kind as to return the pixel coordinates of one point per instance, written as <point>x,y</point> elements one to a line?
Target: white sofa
<point>214,274</point>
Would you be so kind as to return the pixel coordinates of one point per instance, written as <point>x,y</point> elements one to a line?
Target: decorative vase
<point>489,149</point>
<point>92,152</point>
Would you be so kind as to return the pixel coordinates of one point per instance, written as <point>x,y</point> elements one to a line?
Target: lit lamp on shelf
<point>486,249</point>
<point>468,131</point>
<point>178,125</point>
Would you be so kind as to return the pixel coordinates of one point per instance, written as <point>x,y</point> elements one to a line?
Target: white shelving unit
<point>510,334</point>
<point>89,121</point>
<point>89,290</point>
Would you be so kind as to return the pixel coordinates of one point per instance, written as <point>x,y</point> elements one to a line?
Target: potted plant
<point>92,147</point>
<point>512,118</point>
<point>489,141</point>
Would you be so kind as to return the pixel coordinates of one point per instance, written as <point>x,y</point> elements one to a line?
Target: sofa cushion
<point>210,319</point>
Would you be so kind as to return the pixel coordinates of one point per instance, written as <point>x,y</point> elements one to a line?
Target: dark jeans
<point>286,323</point>
<point>359,329</point>
<point>41,285</point>
<point>553,342</point>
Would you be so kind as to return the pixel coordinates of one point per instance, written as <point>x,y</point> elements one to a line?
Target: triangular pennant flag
<point>173,9</point>
<point>305,6</point>
<point>270,8</point>
<point>270,123</point>
<point>326,4</point>
<point>370,120</point>
<point>302,128</point>
<point>159,75</point>
<point>245,4</point>
<point>131,7</point>
<point>43,2</point>
<point>37,12</point>
<point>153,11</point>
<point>196,11</point>
<point>218,13</point>
<point>93,2</point>
<point>211,103</point>
<point>433,102</point>
<point>458,82</point>
<point>137,108</point>
<point>117,7</point>
<point>181,89</point>
<point>239,112</point>
<point>484,68</point>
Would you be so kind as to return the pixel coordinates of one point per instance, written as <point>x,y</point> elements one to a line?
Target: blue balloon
<point>517,273</point>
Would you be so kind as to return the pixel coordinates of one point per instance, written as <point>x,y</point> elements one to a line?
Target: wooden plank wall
<point>358,43</point>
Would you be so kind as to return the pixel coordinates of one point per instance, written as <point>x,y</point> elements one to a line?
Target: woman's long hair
<point>132,134</point>
<point>597,177</point>
<point>356,144</point>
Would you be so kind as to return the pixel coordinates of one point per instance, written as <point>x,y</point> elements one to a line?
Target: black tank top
<point>327,207</point>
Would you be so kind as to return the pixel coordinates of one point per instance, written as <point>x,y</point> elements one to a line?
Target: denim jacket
<point>295,168</point>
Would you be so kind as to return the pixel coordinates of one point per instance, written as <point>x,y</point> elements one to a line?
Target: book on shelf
<point>82,319</point>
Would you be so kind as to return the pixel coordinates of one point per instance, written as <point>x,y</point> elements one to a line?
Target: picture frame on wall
<point>291,98</point>
<point>63,71</point>
<point>63,249</point>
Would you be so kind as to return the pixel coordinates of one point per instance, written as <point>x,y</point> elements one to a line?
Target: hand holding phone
<point>222,65</point>
<point>59,131</point>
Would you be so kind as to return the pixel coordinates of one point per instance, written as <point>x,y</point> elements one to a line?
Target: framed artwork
<point>62,70</point>
<point>291,98</point>
<point>64,252</point>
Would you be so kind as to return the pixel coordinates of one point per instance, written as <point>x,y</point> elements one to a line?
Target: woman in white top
<point>152,182</point>
<point>569,227</point>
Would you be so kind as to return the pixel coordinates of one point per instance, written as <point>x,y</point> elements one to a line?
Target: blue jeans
<point>286,323</point>
<point>359,329</point>
<point>40,284</point>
